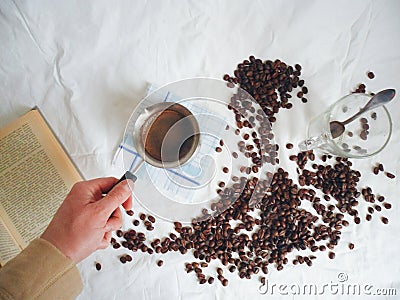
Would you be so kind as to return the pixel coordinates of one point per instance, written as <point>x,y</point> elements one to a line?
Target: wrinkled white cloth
<point>86,64</point>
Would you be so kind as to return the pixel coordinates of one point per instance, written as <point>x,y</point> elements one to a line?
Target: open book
<point>35,176</point>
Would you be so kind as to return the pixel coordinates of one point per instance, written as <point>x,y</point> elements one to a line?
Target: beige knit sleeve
<point>40,271</point>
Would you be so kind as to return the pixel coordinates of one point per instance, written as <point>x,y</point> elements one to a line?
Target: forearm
<point>40,271</point>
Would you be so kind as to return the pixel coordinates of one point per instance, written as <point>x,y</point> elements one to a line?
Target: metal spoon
<point>337,128</point>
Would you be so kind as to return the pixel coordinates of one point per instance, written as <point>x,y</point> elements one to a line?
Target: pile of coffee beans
<point>266,220</point>
<point>270,83</point>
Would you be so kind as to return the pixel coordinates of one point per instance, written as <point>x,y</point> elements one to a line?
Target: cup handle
<point>312,143</point>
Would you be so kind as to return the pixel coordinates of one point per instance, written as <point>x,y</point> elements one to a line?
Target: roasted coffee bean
<point>129,212</point>
<point>136,222</point>
<point>351,246</point>
<point>289,146</point>
<point>371,75</point>
<point>219,271</point>
<point>225,282</point>
<point>151,219</point>
<point>218,149</point>
<point>160,263</point>
<point>210,280</point>
<point>390,175</point>
<point>98,266</point>
<point>225,170</point>
<point>368,217</point>
<point>387,205</point>
<point>178,225</point>
<point>235,155</point>
<point>331,255</point>
<point>363,135</point>
<point>384,220</point>
<point>221,143</point>
<point>142,217</point>
<point>122,259</point>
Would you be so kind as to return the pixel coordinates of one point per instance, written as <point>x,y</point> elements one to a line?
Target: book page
<point>35,176</point>
<point>8,246</point>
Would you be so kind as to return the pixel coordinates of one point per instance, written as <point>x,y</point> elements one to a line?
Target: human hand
<point>85,220</point>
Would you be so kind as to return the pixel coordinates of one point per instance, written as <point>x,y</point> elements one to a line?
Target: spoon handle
<point>352,118</point>
<point>379,99</point>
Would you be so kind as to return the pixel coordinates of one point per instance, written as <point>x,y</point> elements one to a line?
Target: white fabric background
<point>86,65</point>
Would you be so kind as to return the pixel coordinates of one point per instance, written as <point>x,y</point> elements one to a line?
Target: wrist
<point>58,245</point>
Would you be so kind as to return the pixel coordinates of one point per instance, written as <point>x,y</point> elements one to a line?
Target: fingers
<point>102,184</point>
<point>106,240</point>
<point>128,203</point>
<point>118,195</point>
<point>95,188</point>
<point>115,221</point>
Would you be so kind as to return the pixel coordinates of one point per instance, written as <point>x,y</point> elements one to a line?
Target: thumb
<point>118,195</point>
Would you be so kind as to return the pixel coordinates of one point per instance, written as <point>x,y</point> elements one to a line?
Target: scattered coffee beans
<point>270,222</point>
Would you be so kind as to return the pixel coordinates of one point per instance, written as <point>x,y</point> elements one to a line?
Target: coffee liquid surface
<point>170,137</point>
